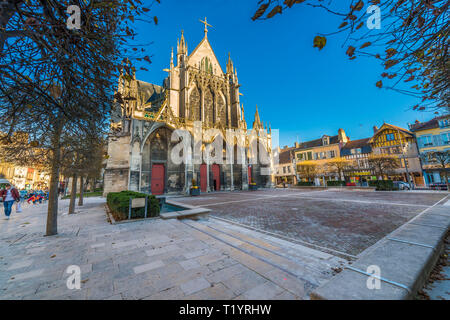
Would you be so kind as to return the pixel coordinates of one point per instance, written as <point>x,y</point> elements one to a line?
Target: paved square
<point>207,259</point>
<point>152,259</point>
<point>345,221</point>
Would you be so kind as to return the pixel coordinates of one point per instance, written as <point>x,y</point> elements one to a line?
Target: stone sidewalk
<point>153,259</point>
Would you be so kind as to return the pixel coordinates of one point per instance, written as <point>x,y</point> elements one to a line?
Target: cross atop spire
<point>206,25</point>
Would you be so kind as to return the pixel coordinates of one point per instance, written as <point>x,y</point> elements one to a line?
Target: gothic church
<point>145,115</point>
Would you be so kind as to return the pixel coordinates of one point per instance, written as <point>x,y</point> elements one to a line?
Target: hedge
<point>305,184</point>
<point>333,183</point>
<point>382,185</point>
<point>118,203</point>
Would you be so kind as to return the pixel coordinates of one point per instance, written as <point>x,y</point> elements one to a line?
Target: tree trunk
<point>446,179</point>
<point>73,194</point>
<point>80,200</point>
<point>52,209</point>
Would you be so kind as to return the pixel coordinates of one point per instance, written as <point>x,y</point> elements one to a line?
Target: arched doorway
<point>158,174</point>
<point>216,177</point>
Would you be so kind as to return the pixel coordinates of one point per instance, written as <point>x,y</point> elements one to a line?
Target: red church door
<point>249,174</point>
<point>203,182</point>
<point>216,176</point>
<point>157,185</point>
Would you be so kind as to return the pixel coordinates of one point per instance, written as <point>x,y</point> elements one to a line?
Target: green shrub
<point>118,203</point>
<point>333,183</point>
<point>305,183</point>
<point>382,185</point>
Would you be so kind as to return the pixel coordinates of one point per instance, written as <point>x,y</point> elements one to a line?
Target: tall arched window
<point>195,105</point>
<point>206,65</point>
<point>221,110</point>
<point>209,107</point>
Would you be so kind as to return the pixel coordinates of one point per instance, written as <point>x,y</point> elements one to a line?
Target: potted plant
<point>252,186</point>
<point>195,191</point>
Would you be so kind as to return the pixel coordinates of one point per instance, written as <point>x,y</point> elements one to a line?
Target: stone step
<point>294,267</point>
<point>318,260</point>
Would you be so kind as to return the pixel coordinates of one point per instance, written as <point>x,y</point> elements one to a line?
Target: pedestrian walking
<point>9,195</point>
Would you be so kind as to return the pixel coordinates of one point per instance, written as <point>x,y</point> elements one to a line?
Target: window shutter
<point>437,140</point>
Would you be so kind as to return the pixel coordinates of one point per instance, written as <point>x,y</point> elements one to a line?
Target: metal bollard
<point>146,206</point>
<point>129,209</point>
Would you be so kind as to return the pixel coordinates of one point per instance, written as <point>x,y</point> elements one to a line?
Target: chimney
<point>375,129</point>
<point>342,136</point>
<point>297,145</point>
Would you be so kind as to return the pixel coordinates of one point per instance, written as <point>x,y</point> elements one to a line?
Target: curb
<point>405,259</point>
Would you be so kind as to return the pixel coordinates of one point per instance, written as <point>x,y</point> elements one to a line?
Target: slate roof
<point>317,143</point>
<point>431,124</point>
<point>286,155</point>
<point>362,144</point>
<point>150,93</point>
<point>357,144</point>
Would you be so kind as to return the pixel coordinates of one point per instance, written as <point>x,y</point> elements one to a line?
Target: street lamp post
<point>404,160</point>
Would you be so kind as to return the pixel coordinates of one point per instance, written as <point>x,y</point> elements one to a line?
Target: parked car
<point>400,185</point>
<point>438,186</point>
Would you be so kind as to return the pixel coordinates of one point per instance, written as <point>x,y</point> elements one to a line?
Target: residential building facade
<point>320,151</point>
<point>24,177</point>
<point>358,151</point>
<point>285,171</point>
<point>433,136</point>
<point>399,142</point>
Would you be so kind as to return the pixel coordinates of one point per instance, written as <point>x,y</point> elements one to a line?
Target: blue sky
<point>300,90</point>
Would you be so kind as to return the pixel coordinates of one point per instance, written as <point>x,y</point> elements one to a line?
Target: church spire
<point>229,64</point>
<point>181,45</point>
<point>257,122</point>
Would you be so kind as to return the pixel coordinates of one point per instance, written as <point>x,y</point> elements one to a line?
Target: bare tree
<point>54,80</point>
<point>411,42</point>
<point>338,165</point>
<point>382,164</point>
<point>308,170</point>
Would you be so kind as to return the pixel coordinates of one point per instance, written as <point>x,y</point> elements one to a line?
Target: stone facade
<point>199,98</point>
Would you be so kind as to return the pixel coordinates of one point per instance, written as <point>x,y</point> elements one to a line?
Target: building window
<point>445,137</point>
<point>300,156</point>
<point>310,155</point>
<point>444,123</point>
<point>284,169</point>
<point>390,137</point>
<point>427,141</point>
<point>289,169</point>
<point>331,154</point>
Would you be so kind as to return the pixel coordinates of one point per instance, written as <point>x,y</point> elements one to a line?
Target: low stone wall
<point>356,188</point>
<point>405,259</point>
